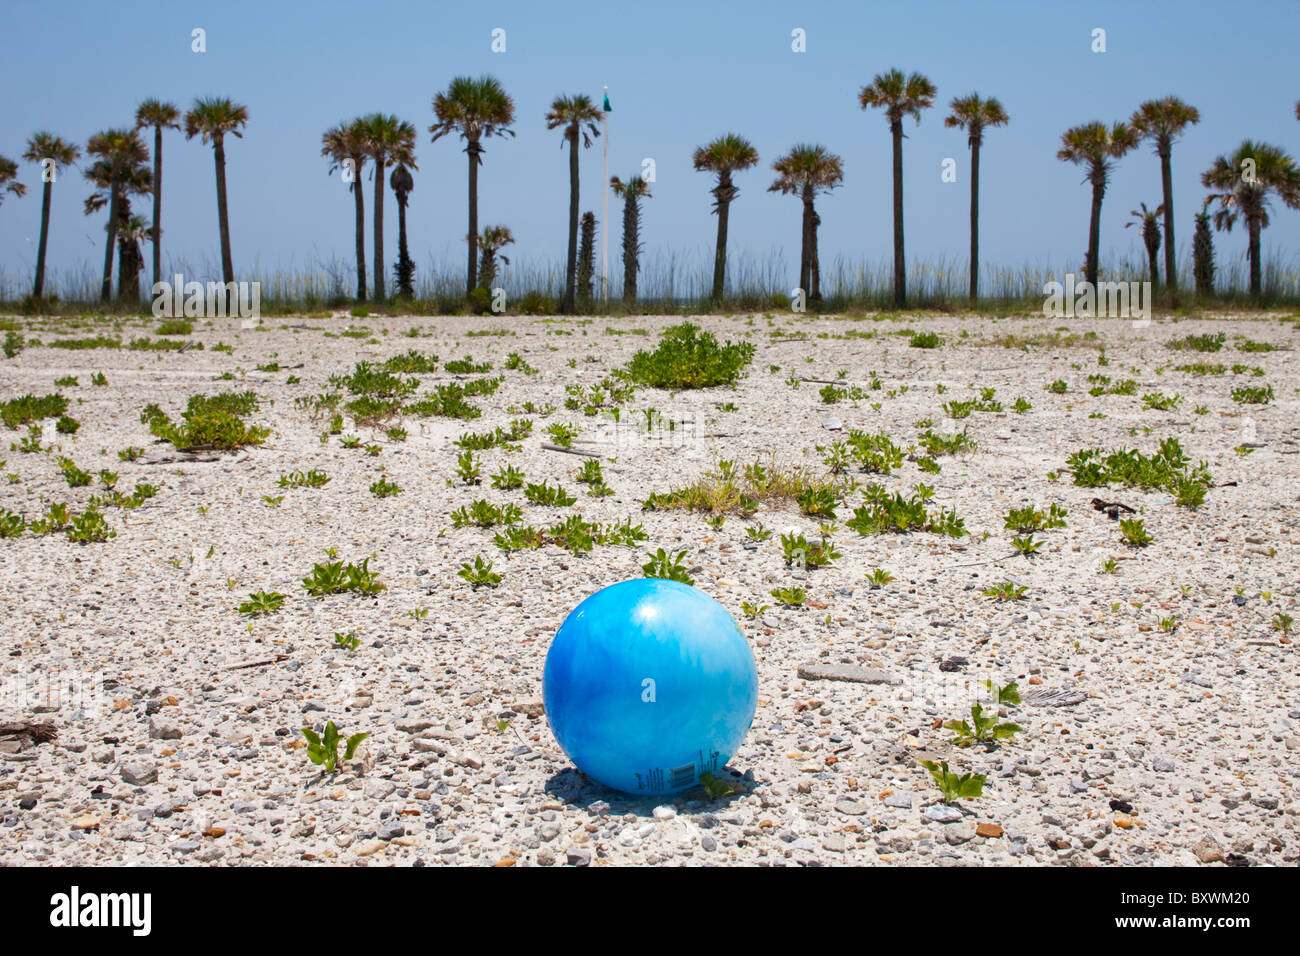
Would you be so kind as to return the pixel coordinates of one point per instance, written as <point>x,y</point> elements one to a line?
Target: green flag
<point>607,108</point>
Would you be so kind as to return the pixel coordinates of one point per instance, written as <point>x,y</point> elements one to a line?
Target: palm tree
<point>114,189</point>
<point>476,109</point>
<point>586,256</point>
<point>898,96</point>
<point>9,179</point>
<point>160,116</point>
<point>1096,146</point>
<point>578,116</point>
<point>724,156</point>
<point>1203,253</point>
<point>121,156</point>
<point>388,140</point>
<point>133,231</point>
<point>211,119</point>
<point>40,148</point>
<point>402,183</point>
<point>1149,220</point>
<point>805,171</point>
<point>974,115</point>
<point>1161,122</point>
<point>1244,181</point>
<point>493,240</point>
<point>339,144</point>
<point>631,192</point>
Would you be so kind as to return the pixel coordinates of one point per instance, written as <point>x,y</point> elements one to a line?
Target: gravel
<point>193,752</point>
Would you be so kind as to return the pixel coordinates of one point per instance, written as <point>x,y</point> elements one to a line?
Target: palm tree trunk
<point>472,281</point>
<point>900,262</point>
<point>155,234</point>
<point>974,220</point>
<point>381,291</point>
<point>39,287</point>
<point>1153,264</point>
<point>805,244</point>
<point>720,256</point>
<point>572,261</point>
<point>402,256</point>
<point>814,263</point>
<point>1094,234</point>
<point>106,290</point>
<point>223,217</point>
<point>1256,272</point>
<point>1167,187</point>
<point>358,194</point>
<point>631,228</point>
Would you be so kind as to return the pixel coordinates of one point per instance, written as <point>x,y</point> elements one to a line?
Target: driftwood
<point>21,735</point>
<point>1111,508</point>
<point>570,451</point>
<point>258,663</point>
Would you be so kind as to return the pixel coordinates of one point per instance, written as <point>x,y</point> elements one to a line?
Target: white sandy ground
<point>1196,729</point>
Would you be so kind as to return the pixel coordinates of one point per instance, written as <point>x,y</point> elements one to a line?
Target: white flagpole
<point>604,212</point>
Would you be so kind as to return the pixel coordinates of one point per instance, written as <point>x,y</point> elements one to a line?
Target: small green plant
<point>508,478</point>
<point>879,577</point>
<point>925,340</point>
<point>1006,591</point>
<point>751,610</point>
<point>479,574</point>
<point>952,786</point>
<point>1008,695</point>
<point>74,476</point>
<point>324,752</point>
<point>1199,343</point>
<point>383,488</point>
<point>1160,402</point>
<point>758,532</point>
<point>1026,546</point>
<point>301,479</point>
<point>716,787</point>
<point>544,494</point>
<point>1248,395</point>
<point>981,729</point>
<point>13,524</point>
<point>798,550</point>
<point>467,468</point>
<point>262,602</point>
<point>273,501</point>
<point>562,434</point>
<point>131,453</point>
<point>664,565</point>
<point>1109,566</point>
<point>1058,387</point>
<point>789,597</point>
<point>1134,532</point>
<point>1168,624</point>
<point>1283,622</point>
<point>348,641</point>
<point>66,425</point>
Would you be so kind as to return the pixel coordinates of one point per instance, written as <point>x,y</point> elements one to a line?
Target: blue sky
<point>679,74</point>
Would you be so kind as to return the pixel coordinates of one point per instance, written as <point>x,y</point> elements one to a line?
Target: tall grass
<point>670,282</point>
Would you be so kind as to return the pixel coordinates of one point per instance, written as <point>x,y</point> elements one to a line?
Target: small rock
<point>139,774</point>
<point>1208,850</point>
<point>989,830</point>
<point>578,856</point>
<point>164,729</point>
<point>378,788</point>
<point>664,813</point>
<point>942,813</point>
<point>903,801</point>
<point>850,808</point>
<point>845,672</point>
<point>1162,765</point>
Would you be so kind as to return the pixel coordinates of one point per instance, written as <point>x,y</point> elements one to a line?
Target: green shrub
<point>686,358</point>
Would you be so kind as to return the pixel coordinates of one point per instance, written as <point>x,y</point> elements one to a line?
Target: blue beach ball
<point>648,684</point>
